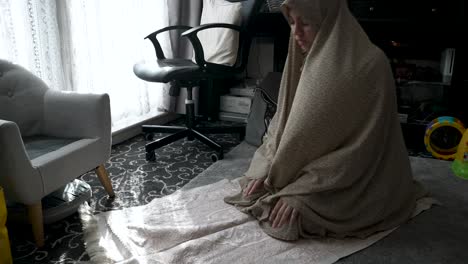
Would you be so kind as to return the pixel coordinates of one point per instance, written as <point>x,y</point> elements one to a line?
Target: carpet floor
<point>135,181</point>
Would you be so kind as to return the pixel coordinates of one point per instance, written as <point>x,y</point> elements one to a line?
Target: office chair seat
<point>167,70</point>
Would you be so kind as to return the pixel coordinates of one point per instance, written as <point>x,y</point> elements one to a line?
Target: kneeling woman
<point>334,162</point>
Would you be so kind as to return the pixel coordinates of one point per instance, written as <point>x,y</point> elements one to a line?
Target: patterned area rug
<point>135,181</point>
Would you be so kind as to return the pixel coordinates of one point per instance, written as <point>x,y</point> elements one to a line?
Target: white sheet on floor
<point>196,226</point>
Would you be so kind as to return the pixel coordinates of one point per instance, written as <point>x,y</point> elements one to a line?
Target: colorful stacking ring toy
<point>460,164</point>
<point>442,137</point>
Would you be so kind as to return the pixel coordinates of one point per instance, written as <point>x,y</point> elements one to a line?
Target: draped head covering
<point>334,149</point>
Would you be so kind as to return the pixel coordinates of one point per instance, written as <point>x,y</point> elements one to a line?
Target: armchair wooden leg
<point>36,220</point>
<point>105,180</point>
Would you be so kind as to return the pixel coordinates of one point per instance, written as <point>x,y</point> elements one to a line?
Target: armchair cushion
<point>65,164</point>
<point>220,45</point>
<point>39,145</point>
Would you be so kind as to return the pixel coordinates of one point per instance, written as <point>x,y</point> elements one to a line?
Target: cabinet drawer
<point>363,9</point>
<point>379,10</point>
<point>433,11</point>
<point>437,11</point>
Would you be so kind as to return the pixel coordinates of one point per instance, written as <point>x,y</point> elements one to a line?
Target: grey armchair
<point>47,139</point>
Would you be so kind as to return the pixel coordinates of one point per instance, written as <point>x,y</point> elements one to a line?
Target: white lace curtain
<point>89,47</point>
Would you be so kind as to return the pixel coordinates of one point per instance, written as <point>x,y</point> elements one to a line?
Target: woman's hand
<point>253,186</point>
<point>281,214</point>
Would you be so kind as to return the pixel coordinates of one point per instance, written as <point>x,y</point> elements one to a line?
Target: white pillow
<point>220,44</point>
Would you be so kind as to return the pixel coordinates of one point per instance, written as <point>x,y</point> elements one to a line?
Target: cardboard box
<point>235,104</point>
<point>247,91</point>
<point>234,117</point>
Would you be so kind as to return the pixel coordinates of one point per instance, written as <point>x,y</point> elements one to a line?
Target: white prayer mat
<point>196,226</point>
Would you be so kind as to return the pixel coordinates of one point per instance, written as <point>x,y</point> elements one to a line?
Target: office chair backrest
<point>250,8</point>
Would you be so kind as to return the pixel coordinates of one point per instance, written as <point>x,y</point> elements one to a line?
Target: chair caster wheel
<point>149,136</point>
<point>216,157</point>
<point>151,156</point>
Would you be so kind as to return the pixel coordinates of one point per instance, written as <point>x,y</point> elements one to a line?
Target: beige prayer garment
<point>334,149</point>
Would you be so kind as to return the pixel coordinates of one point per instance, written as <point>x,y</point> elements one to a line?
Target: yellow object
<point>440,122</point>
<point>5,253</point>
<point>460,164</point>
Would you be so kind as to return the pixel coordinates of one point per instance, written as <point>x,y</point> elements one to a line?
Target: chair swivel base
<point>179,132</point>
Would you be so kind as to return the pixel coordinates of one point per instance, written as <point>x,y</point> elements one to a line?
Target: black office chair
<point>185,73</point>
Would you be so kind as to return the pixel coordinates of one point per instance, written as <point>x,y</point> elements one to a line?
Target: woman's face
<point>304,33</point>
